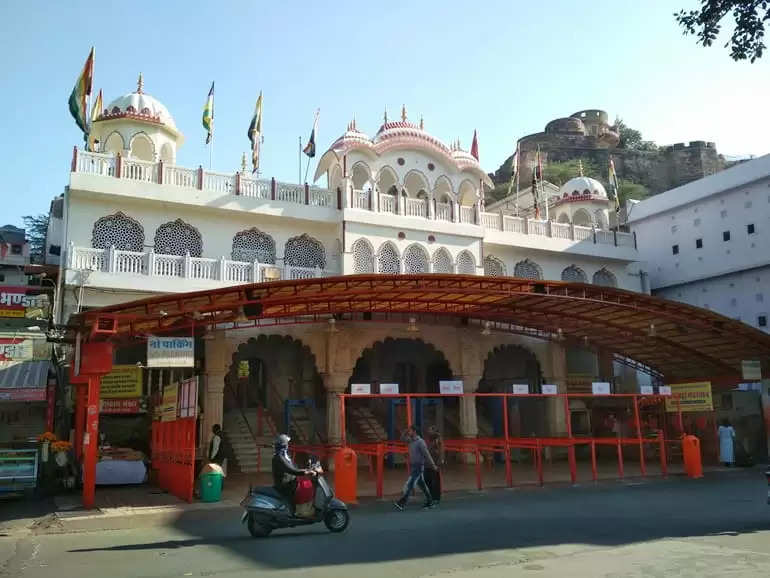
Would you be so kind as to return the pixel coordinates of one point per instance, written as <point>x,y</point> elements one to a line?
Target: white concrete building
<point>707,243</point>
<point>134,224</point>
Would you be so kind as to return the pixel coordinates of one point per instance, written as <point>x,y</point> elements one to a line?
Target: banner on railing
<point>692,397</point>
<point>389,389</point>
<point>450,387</point>
<point>170,402</point>
<point>123,382</point>
<point>170,352</point>
<point>360,388</point>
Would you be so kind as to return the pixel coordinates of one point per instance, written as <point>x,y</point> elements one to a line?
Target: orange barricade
<point>692,457</point>
<point>173,456</point>
<point>346,475</point>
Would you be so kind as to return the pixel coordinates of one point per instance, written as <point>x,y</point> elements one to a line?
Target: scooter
<point>266,509</point>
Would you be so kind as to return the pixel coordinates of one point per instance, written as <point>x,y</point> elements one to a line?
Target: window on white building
<point>726,236</point>
<point>723,213</point>
<point>750,229</point>
<point>699,243</point>
<point>528,269</point>
<point>762,320</point>
<point>675,249</point>
<point>466,264</point>
<point>493,267</point>
<point>363,257</point>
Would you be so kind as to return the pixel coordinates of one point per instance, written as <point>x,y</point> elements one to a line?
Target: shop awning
<point>24,381</point>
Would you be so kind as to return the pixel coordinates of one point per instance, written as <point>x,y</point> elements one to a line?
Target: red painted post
<point>91,442</point>
<point>478,469</point>
<point>620,458</point>
<point>343,433</point>
<point>571,450</point>
<point>380,468</point>
<point>508,468</point>
<point>679,415</point>
<point>307,194</point>
<point>74,166</point>
<point>642,464</point>
<point>160,172</point>
<point>663,460</point>
<point>408,411</point>
<point>594,473</point>
<point>272,188</point>
<point>80,419</point>
<point>200,178</point>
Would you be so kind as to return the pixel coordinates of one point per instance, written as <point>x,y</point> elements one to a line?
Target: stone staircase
<point>251,455</point>
<point>366,428</point>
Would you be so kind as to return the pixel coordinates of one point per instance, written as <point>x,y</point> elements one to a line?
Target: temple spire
<point>139,84</point>
<point>422,123</point>
<point>403,112</point>
<point>385,116</point>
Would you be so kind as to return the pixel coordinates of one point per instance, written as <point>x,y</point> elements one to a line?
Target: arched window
<point>118,230</point>
<point>442,261</point>
<point>363,256</point>
<point>563,218</point>
<point>582,218</point>
<point>527,269</point>
<point>142,147</point>
<point>304,251</point>
<point>167,153</point>
<point>605,278</point>
<point>178,238</point>
<point>574,274</point>
<point>253,245</point>
<point>493,267</point>
<point>388,260</point>
<point>415,259</point>
<point>466,264</point>
<point>114,143</point>
<point>601,219</point>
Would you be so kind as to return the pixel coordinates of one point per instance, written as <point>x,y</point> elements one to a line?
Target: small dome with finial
<point>138,105</point>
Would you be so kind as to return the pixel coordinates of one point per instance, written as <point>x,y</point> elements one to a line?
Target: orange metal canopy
<point>673,339</point>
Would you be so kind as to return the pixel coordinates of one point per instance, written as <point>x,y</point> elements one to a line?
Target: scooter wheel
<point>337,520</point>
<point>256,529</point>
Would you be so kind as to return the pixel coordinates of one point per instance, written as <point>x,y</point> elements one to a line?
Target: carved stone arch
<point>114,143</point>
<point>178,238</point>
<point>493,267</point>
<point>466,263</point>
<point>304,251</point>
<point>253,245</point>
<point>416,259</point>
<point>142,147</point>
<point>605,278</point>
<point>388,259</point>
<point>574,274</point>
<point>442,261</point>
<point>528,269</point>
<point>363,256</point>
<point>118,230</point>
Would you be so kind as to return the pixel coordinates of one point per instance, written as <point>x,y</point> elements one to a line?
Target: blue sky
<point>504,68</point>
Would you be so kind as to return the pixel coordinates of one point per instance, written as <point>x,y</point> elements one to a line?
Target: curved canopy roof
<point>676,340</point>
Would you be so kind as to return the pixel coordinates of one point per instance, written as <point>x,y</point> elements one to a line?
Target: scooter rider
<point>284,471</point>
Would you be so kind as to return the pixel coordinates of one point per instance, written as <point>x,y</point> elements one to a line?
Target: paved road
<point>713,527</point>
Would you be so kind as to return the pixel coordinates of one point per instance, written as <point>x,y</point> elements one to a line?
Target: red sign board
<point>120,405</point>
<point>23,394</point>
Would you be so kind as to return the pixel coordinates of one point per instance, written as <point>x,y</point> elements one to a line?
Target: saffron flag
<point>309,149</point>
<point>475,146</point>
<point>254,132</point>
<point>614,185</point>
<point>208,115</point>
<point>82,90</point>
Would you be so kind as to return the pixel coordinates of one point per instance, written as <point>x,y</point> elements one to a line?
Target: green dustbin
<point>211,487</point>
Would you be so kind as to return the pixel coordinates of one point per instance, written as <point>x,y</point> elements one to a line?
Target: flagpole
<point>518,160</point>
<point>299,160</point>
<point>307,168</point>
<point>211,150</point>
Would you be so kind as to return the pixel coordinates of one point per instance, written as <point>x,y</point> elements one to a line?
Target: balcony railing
<point>153,264</point>
<point>567,231</point>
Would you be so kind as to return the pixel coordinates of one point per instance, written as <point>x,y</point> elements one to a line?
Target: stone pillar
<point>469,427</point>
<point>606,369</point>
<point>557,420</point>
<point>335,384</point>
<point>214,383</point>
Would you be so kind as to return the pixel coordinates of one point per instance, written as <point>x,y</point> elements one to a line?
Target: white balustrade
<point>219,183</point>
<point>239,272</point>
<point>88,259</point>
<point>130,262</point>
<point>302,273</point>
<point>625,240</point>
<point>444,211</point>
<point>583,233</point>
<point>136,170</point>
<point>535,227</point>
<point>169,266</point>
<point>290,193</point>
<point>321,197</point>
<point>491,221</point>
<point>605,237</point>
<point>467,214</point>
<point>180,177</point>
<point>513,224</point>
<point>387,203</point>
<point>361,199</point>
<point>202,268</point>
<point>255,188</point>
<point>95,164</point>
<point>416,207</point>
<point>561,230</point>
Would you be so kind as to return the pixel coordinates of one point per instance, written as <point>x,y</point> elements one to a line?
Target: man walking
<point>419,459</point>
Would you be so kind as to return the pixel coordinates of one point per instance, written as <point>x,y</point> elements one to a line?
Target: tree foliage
<point>631,190</point>
<point>559,173</point>
<point>750,18</point>
<point>631,138</point>
<point>36,229</point>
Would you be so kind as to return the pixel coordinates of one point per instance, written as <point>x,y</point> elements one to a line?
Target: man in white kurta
<point>726,441</point>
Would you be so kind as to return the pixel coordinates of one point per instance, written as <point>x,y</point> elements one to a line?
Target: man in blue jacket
<point>419,459</point>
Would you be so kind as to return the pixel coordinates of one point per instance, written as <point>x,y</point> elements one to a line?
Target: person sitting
<point>284,471</point>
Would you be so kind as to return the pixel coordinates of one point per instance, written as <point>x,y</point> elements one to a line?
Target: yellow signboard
<point>123,382</point>
<point>243,369</point>
<point>12,311</point>
<point>170,402</point>
<point>692,397</point>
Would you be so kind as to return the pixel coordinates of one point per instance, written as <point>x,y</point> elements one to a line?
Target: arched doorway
<point>267,372</point>
<point>417,367</point>
<point>504,366</point>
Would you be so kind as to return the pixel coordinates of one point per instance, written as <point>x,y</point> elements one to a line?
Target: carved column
<point>214,384</point>
<point>557,418</point>
<point>335,385</point>
<point>469,427</point>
